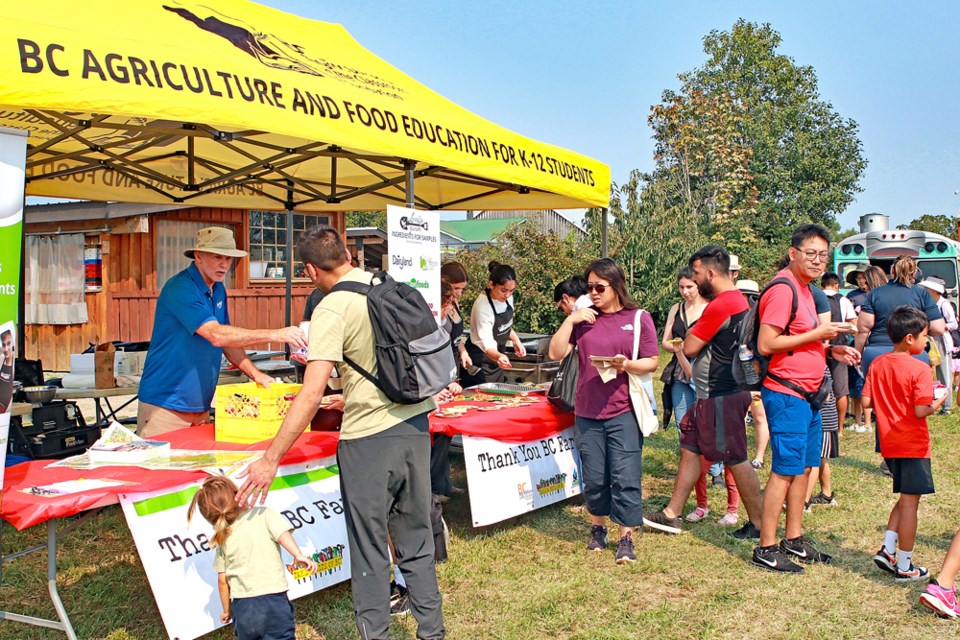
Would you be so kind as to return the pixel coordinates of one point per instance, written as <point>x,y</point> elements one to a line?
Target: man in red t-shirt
<point>797,362</point>
<point>900,388</point>
<point>714,426</point>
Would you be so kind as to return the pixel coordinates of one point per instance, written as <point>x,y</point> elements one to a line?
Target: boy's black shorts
<point>911,476</point>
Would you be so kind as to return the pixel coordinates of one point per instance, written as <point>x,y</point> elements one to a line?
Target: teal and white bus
<point>876,244</point>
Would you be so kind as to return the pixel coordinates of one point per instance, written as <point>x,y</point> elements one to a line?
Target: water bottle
<point>746,365</point>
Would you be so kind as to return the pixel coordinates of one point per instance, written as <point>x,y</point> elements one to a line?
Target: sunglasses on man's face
<point>596,286</point>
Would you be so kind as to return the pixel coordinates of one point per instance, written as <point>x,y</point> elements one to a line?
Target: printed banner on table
<point>178,559</point>
<point>507,479</point>
<point>13,153</point>
<point>413,239</point>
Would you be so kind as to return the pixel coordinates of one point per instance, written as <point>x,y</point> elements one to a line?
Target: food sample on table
<point>493,407</point>
<point>451,412</point>
<point>481,397</point>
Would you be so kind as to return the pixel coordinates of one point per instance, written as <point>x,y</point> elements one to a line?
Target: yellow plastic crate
<point>248,413</point>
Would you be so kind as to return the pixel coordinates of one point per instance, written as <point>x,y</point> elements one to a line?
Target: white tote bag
<point>639,398</point>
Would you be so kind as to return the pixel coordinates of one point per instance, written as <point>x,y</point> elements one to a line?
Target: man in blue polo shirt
<point>191,330</point>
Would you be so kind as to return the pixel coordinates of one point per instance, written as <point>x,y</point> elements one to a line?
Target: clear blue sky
<point>583,75</point>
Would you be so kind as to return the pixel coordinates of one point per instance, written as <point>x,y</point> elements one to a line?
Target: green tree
<point>806,159</point>
<point>541,260</point>
<point>944,225</point>
<point>376,219</point>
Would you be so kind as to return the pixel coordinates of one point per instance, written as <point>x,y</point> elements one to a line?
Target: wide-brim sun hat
<point>933,285</point>
<point>748,286</point>
<point>852,274</point>
<point>734,262</point>
<point>216,240</point>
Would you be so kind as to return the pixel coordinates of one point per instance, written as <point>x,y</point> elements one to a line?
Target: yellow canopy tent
<point>229,103</point>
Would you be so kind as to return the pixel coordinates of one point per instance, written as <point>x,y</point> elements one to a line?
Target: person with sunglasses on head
<point>571,294</point>
<point>606,430</point>
<point>491,328</point>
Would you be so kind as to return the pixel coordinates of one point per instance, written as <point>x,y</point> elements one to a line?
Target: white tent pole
<point>409,165</point>
<point>603,233</point>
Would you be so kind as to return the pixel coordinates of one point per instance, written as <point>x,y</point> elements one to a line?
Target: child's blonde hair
<point>217,501</point>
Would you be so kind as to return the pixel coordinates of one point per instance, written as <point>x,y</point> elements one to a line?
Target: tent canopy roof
<point>229,103</point>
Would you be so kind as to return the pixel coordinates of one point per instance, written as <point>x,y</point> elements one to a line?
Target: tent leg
<point>288,272</point>
<point>409,165</point>
<point>603,233</point>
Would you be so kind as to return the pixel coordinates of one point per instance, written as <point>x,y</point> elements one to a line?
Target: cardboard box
<point>125,363</point>
<point>129,363</point>
<point>104,365</point>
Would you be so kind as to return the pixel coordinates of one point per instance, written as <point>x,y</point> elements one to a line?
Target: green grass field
<point>531,577</point>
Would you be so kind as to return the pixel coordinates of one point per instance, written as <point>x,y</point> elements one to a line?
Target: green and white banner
<point>178,558</point>
<point>13,149</point>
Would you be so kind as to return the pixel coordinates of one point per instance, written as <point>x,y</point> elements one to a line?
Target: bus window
<point>946,269</point>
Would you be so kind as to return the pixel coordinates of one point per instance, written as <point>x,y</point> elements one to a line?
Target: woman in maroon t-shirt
<point>607,434</point>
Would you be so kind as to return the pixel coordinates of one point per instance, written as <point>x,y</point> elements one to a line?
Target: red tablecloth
<point>509,424</point>
<point>24,510</point>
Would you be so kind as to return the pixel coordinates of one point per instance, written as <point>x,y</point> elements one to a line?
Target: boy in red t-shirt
<point>900,389</point>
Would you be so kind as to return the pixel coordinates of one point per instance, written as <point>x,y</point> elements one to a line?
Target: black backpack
<point>414,359</point>
<point>747,334</point>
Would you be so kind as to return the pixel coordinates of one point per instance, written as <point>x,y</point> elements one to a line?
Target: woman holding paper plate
<point>616,341</point>
<point>491,327</point>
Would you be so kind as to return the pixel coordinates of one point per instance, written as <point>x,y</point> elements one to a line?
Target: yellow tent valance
<point>229,103</point>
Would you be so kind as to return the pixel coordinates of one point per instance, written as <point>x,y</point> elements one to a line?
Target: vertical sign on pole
<point>413,239</point>
<point>13,150</point>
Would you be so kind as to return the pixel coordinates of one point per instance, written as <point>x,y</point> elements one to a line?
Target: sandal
<point>697,514</point>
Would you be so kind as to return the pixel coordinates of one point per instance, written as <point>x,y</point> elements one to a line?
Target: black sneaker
<point>800,549</point>
<point>885,470</point>
<point>823,499</point>
<point>773,559</point>
<point>913,573</point>
<point>806,507</point>
<point>663,523</point>
<point>598,538</point>
<point>885,561</point>
<point>718,482</point>
<point>625,550</point>
<point>399,601</point>
<point>747,532</point>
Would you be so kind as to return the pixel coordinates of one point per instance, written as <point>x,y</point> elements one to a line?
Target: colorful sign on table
<point>178,559</point>
<point>414,242</point>
<point>507,479</point>
<point>13,153</point>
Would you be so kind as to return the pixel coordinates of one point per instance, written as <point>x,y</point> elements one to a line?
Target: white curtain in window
<point>173,238</point>
<point>54,279</point>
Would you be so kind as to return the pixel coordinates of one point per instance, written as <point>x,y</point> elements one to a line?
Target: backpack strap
<point>794,305</point>
<point>362,289</point>
<point>792,386</point>
<point>355,287</point>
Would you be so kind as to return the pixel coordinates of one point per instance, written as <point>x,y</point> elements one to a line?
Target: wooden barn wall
<point>124,309</point>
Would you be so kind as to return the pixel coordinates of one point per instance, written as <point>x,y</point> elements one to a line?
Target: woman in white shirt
<point>491,327</point>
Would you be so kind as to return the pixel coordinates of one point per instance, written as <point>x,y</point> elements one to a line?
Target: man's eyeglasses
<point>813,254</point>
<point>596,286</point>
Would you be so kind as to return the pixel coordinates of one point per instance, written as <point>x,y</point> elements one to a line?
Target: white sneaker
<point>862,429</point>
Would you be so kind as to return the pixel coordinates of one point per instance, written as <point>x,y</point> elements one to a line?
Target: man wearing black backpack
<point>791,335</point>
<point>384,449</point>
